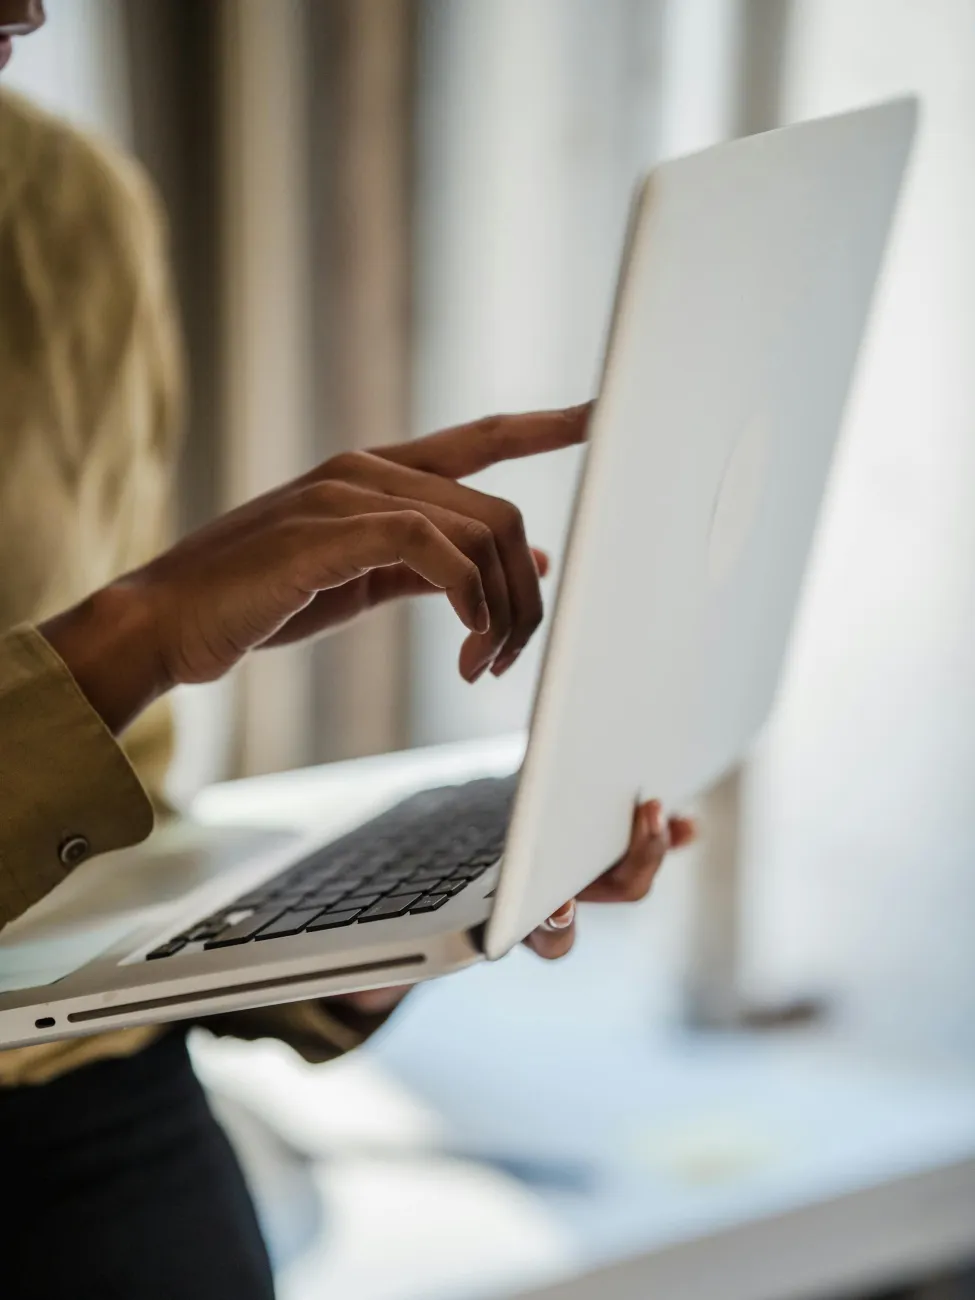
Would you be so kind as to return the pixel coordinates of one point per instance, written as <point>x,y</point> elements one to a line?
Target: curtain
<point>278,131</point>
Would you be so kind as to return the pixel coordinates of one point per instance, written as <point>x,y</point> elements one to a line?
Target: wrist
<point>109,643</point>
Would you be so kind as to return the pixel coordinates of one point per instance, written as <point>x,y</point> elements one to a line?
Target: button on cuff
<point>74,850</point>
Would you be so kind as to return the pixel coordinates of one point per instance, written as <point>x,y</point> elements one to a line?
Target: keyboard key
<point>348,883</point>
<point>291,896</point>
<point>168,949</point>
<point>439,857</point>
<point>332,920</point>
<point>406,853</point>
<point>413,861</point>
<point>387,908</point>
<point>331,864</point>
<point>326,894</point>
<point>395,880</point>
<point>376,863</point>
<point>206,930</point>
<point>292,922</point>
<point>358,901</point>
<point>279,885</point>
<point>256,898</point>
<point>246,929</point>
<point>467,873</point>
<point>429,903</point>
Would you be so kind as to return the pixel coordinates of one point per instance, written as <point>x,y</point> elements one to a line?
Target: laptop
<point>744,290</point>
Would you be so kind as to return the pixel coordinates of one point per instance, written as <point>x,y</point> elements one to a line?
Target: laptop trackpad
<point>117,894</point>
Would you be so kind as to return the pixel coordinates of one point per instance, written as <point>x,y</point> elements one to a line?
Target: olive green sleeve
<point>67,791</point>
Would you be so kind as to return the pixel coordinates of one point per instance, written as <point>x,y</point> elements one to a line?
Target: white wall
<point>863,799</point>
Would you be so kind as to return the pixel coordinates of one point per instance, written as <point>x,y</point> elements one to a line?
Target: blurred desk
<point>701,1166</point>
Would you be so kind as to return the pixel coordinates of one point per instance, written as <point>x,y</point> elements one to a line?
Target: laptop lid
<point>743,298</point>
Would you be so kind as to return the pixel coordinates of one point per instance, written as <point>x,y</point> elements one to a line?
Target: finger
<point>469,448</point>
<point>473,660</point>
<point>521,571</point>
<point>334,608</point>
<point>563,918</point>
<point>360,483</point>
<point>555,938</point>
<point>488,529</point>
<point>683,830</point>
<point>521,576</point>
<point>626,883</point>
<point>340,605</point>
<point>397,583</point>
<point>361,543</point>
<point>630,879</point>
<point>478,543</point>
<point>401,583</point>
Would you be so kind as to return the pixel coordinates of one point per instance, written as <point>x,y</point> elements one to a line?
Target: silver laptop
<point>744,292</point>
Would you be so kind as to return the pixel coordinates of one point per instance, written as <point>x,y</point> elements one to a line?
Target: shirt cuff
<point>67,791</point>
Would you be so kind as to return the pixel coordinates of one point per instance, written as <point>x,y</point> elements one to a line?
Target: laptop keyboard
<point>410,860</point>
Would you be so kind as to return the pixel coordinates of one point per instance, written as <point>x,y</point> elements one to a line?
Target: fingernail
<point>504,662</point>
<point>655,818</point>
<point>482,619</point>
<point>478,672</point>
<point>563,918</point>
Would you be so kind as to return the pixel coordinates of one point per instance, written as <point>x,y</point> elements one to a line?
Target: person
<point>120,1183</point>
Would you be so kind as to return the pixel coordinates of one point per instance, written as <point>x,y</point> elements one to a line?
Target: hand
<point>627,881</point>
<point>360,529</point>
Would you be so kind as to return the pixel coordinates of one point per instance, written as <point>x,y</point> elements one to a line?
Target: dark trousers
<point>116,1183</point>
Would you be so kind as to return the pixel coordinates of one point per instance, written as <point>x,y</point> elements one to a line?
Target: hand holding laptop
<point>744,291</point>
<point>627,881</point>
<point>361,529</point>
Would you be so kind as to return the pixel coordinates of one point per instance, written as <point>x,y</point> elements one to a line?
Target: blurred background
<point>392,215</point>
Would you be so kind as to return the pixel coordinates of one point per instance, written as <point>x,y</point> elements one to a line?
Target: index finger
<point>469,448</point>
